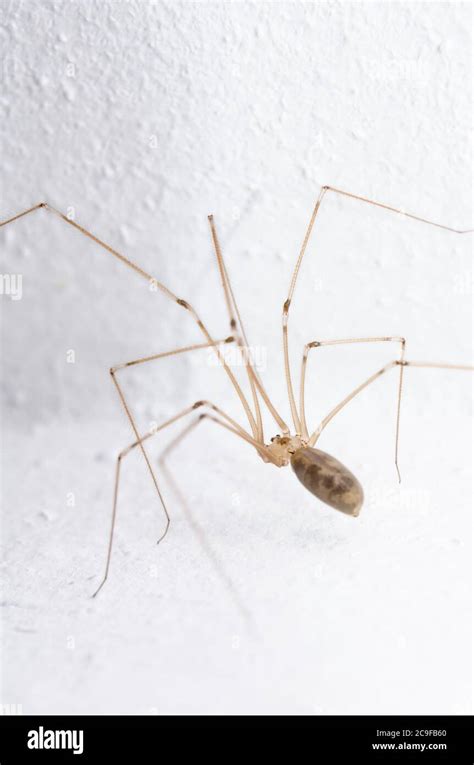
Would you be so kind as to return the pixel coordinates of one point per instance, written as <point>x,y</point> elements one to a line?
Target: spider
<point>320,473</point>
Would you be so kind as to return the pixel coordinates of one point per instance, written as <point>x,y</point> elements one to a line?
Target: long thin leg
<point>234,426</point>
<point>427,364</point>
<point>287,303</point>
<point>238,330</point>
<point>398,211</point>
<point>157,285</point>
<point>139,442</point>
<point>174,352</point>
<point>134,362</point>
<point>349,341</point>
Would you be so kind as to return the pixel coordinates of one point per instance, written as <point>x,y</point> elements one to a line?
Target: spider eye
<point>328,479</point>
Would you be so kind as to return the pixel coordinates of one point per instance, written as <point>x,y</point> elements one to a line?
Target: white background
<point>139,119</point>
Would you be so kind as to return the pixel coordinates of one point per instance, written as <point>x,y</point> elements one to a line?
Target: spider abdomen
<point>328,479</point>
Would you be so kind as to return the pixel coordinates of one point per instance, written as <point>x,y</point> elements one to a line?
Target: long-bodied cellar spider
<point>323,475</point>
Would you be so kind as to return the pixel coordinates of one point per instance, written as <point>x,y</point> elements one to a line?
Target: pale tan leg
<point>348,341</point>
<point>121,455</point>
<point>238,330</point>
<point>233,426</point>
<point>426,364</point>
<point>236,324</point>
<point>294,278</point>
<point>134,362</point>
<point>157,285</point>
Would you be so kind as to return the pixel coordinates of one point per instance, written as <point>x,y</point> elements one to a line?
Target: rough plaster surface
<point>138,119</point>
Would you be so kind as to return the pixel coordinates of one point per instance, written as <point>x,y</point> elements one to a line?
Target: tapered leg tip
<point>398,473</point>
<point>164,534</point>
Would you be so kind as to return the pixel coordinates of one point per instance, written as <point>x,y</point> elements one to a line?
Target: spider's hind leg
<point>382,371</point>
<point>350,341</point>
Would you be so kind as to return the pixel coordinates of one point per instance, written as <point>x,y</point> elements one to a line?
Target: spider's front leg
<point>229,423</point>
<point>139,440</point>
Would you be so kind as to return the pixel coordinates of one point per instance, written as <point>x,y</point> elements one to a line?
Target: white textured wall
<point>144,117</point>
<point>141,118</point>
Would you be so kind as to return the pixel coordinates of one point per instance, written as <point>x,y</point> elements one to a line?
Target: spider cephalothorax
<point>281,449</point>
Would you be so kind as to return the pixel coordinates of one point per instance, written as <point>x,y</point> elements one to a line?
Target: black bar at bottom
<point>90,739</point>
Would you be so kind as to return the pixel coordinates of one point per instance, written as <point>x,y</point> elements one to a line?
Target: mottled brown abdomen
<point>328,479</point>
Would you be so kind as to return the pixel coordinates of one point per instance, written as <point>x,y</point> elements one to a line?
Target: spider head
<point>281,449</point>
<point>328,479</point>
